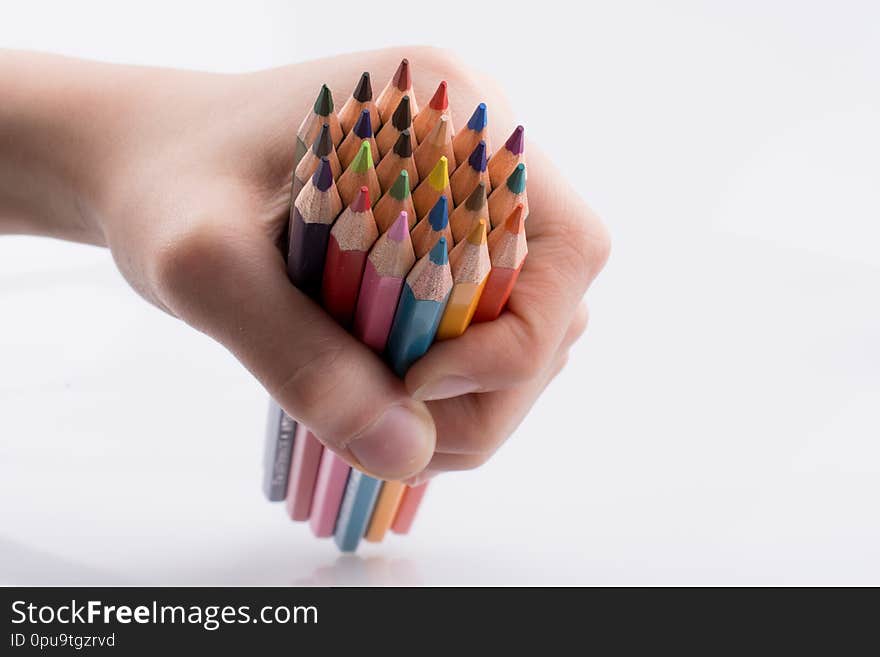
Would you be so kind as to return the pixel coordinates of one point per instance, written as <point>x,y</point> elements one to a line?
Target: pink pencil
<point>388,263</point>
<point>303,472</point>
<point>408,508</point>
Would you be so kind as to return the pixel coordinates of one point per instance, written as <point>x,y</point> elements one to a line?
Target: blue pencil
<point>356,509</point>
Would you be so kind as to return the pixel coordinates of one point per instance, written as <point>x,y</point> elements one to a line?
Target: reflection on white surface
<point>718,424</point>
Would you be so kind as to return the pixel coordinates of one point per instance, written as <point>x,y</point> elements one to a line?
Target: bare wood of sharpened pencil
<point>396,200</point>
<point>425,120</point>
<point>360,172</point>
<point>322,112</point>
<point>437,144</point>
<point>399,159</point>
<point>399,86</point>
<point>361,98</point>
<point>362,131</point>
<point>322,147</point>
<point>469,174</point>
<point>401,120</point>
<point>470,212</point>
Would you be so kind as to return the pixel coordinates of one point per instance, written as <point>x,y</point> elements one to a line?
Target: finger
<point>231,283</point>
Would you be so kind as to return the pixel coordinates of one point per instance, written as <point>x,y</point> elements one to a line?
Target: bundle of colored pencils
<point>406,232</point>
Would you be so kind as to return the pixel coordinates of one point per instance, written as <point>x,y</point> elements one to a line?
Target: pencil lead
<point>439,176</point>
<point>514,222</point>
<point>438,254</point>
<point>361,203</point>
<point>364,90</point>
<point>364,127</point>
<point>400,228</point>
<point>401,78</point>
<point>323,176</point>
<point>479,118</point>
<point>324,102</point>
<point>478,233</point>
<point>478,160</point>
<point>324,143</point>
<point>400,189</point>
<point>402,117</point>
<point>477,199</point>
<point>439,215</point>
<point>363,161</point>
<point>403,145</point>
<point>440,101</point>
<point>516,142</point>
<point>516,181</point>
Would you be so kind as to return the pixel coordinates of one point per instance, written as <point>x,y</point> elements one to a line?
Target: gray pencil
<point>280,430</point>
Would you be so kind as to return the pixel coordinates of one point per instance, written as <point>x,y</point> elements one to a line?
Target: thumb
<point>236,290</point>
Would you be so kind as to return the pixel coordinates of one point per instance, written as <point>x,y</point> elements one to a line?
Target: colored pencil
<point>361,99</point>
<point>350,239</point>
<point>322,147</point>
<point>470,174</point>
<point>396,200</point>
<point>311,216</point>
<point>388,263</point>
<point>424,296</point>
<point>428,117</point>
<point>280,430</point>
<point>354,513</point>
<point>327,496</point>
<point>399,159</point>
<point>322,112</point>
<point>406,510</point>
<point>433,187</point>
<point>505,160</point>
<point>507,251</point>
<point>360,173</point>
<point>399,86</point>
<point>468,213</point>
<point>390,495</point>
<point>437,144</point>
<point>430,229</point>
<point>303,473</point>
<point>363,130</point>
<point>401,120</point>
<point>504,199</point>
<point>466,140</point>
<point>470,265</point>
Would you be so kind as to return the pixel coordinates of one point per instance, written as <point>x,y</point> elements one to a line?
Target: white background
<point>718,424</point>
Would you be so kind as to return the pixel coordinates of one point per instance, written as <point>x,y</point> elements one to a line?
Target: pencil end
<point>363,92</point>
<point>438,217</point>
<point>324,102</point>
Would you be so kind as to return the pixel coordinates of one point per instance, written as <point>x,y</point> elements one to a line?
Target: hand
<point>186,177</point>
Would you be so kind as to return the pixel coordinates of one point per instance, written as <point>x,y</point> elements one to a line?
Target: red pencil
<point>507,251</point>
<point>428,117</point>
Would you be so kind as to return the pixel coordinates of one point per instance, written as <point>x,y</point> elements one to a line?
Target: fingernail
<point>398,445</point>
<point>450,386</point>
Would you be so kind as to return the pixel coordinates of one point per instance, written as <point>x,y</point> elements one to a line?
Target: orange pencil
<point>396,200</point>
<point>470,174</point>
<point>407,508</point>
<point>437,144</point>
<point>322,112</point>
<point>360,99</point>
<point>428,117</point>
<point>466,140</point>
<point>323,147</point>
<point>399,86</point>
<point>502,163</point>
<point>507,251</point>
<point>470,270</point>
<point>468,213</point>
<point>432,188</point>
<point>362,131</point>
<point>401,120</point>
<point>399,159</point>
<point>513,192</point>
<point>430,229</point>
<point>360,173</point>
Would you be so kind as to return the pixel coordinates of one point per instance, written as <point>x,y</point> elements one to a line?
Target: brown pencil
<point>437,144</point>
<point>360,99</point>
<point>470,174</point>
<point>468,213</point>
<point>396,200</point>
<point>322,112</point>
<point>323,147</point>
<point>401,120</point>
<point>428,117</point>
<point>503,200</point>
<point>399,86</point>
<point>360,173</point>
<point>399,159</point>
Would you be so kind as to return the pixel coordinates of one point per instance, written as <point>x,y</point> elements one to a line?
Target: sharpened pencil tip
<point>403,145</point>
<point>478,233</point>
<point>439,176</point>
<point>401,78</point>
<point>516,142</point>
<point>364,126</point>
<point>363,161</point>
<point>438,254</point>
<point>364,90</point>
<point>323,176</point>
<point>516,181</point>
<point>361,202</point>
<point>438,217</point>
<point>477,198</point>
<point>440,101</point>
<point>402,117</point>
<point>324,143</point>
<point>514,222</point>
<point>479,118</point>
<point>400,228</point>
<point>400,189</point>
<point>324,102</point>
<point>478,159</point>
